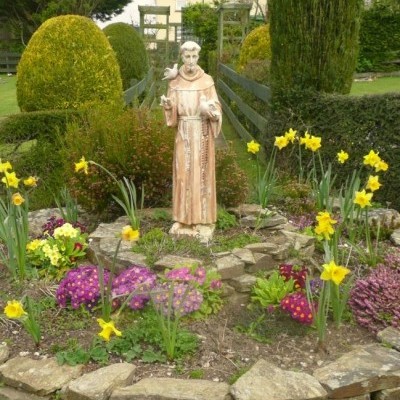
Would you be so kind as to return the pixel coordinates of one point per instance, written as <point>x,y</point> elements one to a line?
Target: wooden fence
<point>9,62</point>
<point>147,86</point>
<point>260,92</point>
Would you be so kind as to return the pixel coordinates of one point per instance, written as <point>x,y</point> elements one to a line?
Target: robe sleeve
<point>171,114</point>
<point>215,121</point>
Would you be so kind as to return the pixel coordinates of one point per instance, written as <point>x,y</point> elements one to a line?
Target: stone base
<point>202,232</point>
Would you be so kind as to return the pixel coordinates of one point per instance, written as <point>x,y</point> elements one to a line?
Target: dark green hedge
<point>379,39</point>
<point>35,125</point>
<point>354,124</point>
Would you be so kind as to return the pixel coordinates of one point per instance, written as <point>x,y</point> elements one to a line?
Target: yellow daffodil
<point>128,233</point>
<point>363,198</point>
<point>5,166</point>
<point>342,156</point>
<point>30,181</point>
<point>373,183</point>
<point>290,135</point>
<point>10,179</point>
<point>108,328</point>
<point>14,309</point>
<point>82,165</point>
<point>333,272</point>
<point>371,158</point>
<point>381,166</point>
<point>253,147</point>
<point>324,229</point>
<point>314,143</point>
<point>325,217</point>
<point>304,140</point>
<point>281,142</point>
<point>17,199</point>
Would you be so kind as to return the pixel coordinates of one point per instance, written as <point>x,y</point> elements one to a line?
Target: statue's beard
<point>190,69</point>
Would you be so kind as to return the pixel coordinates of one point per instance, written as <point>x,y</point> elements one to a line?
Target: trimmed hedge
<point>354,124</point>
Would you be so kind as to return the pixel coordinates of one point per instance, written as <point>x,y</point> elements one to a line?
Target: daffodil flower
<point>30,181</point>
<point>108,328</point>
<point>342,156</point>
<point>363,199</point>
<point>5,166</point>
<point>334,273</point>
<point>281,142</point>
<point>373,183</point>
<point>128,233</point>
<point>371,158</point>
<point>82,165</point>
<point>14,309</point>
<point>10,179</point>
<point>290,135</point>
<point>381,166</point>
<point>253,147</point>
<point>17,199</point>
<point>313,143</point>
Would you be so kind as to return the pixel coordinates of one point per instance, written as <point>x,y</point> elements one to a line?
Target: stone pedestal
<point>202,232</point>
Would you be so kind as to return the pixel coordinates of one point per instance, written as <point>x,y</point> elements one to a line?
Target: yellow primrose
<point>290,135</point>
<point>314,143</point>
<point>363,198</point>
<point>373,183</point>
<point>281,142</point>
<point>371,158</point>
<point>333,272</point>
<point>5,166</point>
<point>30,181</point>
<point>14,309</point>
<point>10,179</point>
<point>253,147</point>
<point>342,156</point>
<point>128,233</point>
<point>34,244</point>
<point>108,328</point>
<point>381,166</point>
<point>82,165</point>
<point>17,199</point>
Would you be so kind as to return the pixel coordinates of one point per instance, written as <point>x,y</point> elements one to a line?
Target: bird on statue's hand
<point>171,73</point>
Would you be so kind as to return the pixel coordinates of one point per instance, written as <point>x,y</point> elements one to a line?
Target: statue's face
<point>189,59</point>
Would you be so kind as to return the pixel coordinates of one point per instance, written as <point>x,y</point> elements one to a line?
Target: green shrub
<point>232,184</point>
<point>130,51</point>
<point>135,144</point>
<point>256,46</point>
<point>35,125</point>
<point>68,64</point>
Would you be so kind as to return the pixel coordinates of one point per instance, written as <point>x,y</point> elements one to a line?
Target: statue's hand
<point>165,102</point>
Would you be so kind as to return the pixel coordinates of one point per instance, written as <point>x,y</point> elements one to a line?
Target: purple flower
<point>185,274</point>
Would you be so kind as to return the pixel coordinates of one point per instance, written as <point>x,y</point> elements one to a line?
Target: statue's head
<point>190,56</point>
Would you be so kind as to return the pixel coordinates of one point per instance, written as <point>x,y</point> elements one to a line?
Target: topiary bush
<point>256,46</point>
<point>135,144</point>
<point>130,51</point>
<point>68,64</point>
<point>375,300</point>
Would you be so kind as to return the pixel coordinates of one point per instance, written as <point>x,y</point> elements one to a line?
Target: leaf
<point>151,356</point>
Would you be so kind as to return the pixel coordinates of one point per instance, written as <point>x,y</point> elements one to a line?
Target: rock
<point>41,377</point>
<point>245,255</point>
<point>173,389</point>
<point>270,221</point>
<point>246,209</point>
<point>204,233</point>
<point>389,218</point>
<point>99,384</point>
<point>230,267</point>
<point>9,393</point>
<point>264,247</point>
<point>38,218</point>
<point>243,283</point>
<point>266,381</point>
<point>298,240</point>
<point>171,261</point>
<point>388,394</point>
<point>395,237</point>
<point>361,371</point>
<point>390,336</point>
<point>263,262</point>
<point>4,353</point>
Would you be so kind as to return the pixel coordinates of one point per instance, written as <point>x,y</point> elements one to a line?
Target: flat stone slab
<point>171,261</point>
<point>390,336</point>
<point>388,394</point>
<point>245,255</point>
<point>173,389</point>
<point>99,384</point>
<point>361,371</point>
<point>9,393</point>
<point>243,283</point>
<point>41,377</point>
<point>4,353</point>
<point>229,267</point>
<point>266,381</point>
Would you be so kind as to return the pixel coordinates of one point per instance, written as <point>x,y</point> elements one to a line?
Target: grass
<point>377,86</point>
<point>8,104</point>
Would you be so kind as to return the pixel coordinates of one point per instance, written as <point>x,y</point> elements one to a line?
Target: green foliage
<point>68,64</point>
<point>36,125</point>
<point>135,144</point>
<point>314,44</point>
<point>75,354</point>
<point>379,38</point>
<point>226,243</point>
<point>272,290</point>
<point>130,51</point>
<point>225,220</point>
<point>256,46</point>
<point>201,20</point>
<point>232,185</point>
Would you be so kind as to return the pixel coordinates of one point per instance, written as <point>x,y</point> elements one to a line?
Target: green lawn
<point>377,86</point>
<point>8,103</point>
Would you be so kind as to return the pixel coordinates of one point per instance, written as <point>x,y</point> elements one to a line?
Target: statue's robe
<point>194,190</point>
